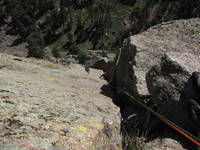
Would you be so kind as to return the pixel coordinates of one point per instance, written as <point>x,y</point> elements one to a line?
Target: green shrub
<point>133,143</point>
<point>56,52</point>
<point>36,45</point>
<point>36,52</point>
<point>81,49</point>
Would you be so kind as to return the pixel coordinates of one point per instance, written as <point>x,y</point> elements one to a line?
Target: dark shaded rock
<point>158,63</point>
<point>98,59</point>
<point>124,75</point>
<point>166,143</point>
<point>166,83</point>
<point>191,97</point>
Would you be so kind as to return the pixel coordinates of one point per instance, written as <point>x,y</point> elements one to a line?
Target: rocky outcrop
<point>177,36</point>
<point>163,144</point>
<point>98,59</point>
<point>53,107</point>
<point>157,64</point>
<point>7,45</point>
<point>166,83</point>
<point>167,80</point>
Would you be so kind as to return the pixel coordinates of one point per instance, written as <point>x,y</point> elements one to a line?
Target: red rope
<point>165,121</point>
<point>168,123</point>
<point>183,133</point>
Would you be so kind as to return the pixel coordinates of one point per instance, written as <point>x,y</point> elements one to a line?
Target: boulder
<point>163,144</point>
<point>166,81</point>
<point>158,64</point>
<point>166,84</point>
<point>176,36</point>
<point>8,46</point>
<point>99,59</point>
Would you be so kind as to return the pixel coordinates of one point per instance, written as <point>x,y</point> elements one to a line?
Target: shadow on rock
<point>107,91</point>
<point>170,86</point>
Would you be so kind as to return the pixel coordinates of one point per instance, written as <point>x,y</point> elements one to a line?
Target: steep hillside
<point>76,26</point>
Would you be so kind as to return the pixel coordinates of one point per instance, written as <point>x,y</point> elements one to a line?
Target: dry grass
<point>134,143</point>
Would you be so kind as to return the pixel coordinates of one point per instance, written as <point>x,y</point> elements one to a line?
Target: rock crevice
<point>156,65</point>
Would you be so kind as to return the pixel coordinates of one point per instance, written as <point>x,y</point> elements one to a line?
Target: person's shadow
<point>108,91</point>
<point>158,128</point>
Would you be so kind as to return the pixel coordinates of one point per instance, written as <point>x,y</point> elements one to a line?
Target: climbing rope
<point>182,131</point>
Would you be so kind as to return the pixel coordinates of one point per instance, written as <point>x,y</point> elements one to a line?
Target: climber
<point>105,76</point>
<point>192,97</point>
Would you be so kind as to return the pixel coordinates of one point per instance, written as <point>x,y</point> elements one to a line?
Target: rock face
<point>159,63</point>
<point>177,36</point>
<point>166,83</point>
<point>6,45</point>
<point>53,107</point>
<point>163,144</point>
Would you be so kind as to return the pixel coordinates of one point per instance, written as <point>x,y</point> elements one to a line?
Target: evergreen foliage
<point>36,45</point>
<point>68,24</point>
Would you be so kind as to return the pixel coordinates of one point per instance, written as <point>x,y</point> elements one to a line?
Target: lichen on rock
<point>53,107</point>
<point>164,58</point>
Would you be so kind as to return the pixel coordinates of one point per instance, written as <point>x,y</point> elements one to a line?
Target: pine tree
<point>36,45</point>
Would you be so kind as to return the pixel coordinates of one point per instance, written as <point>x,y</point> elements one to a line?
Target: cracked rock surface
<point>46,106</point>
<point>157,65</point>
